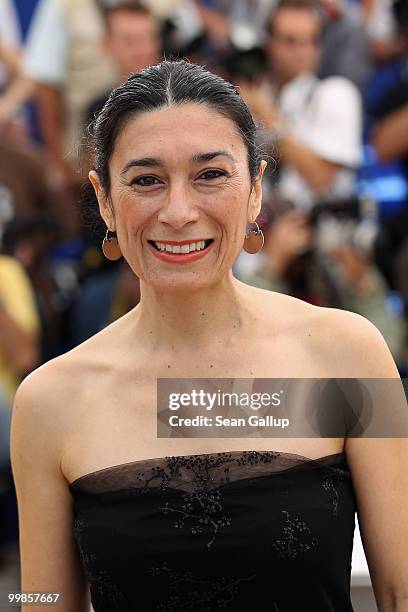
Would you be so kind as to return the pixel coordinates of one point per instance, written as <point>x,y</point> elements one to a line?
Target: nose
<point>179,207</point>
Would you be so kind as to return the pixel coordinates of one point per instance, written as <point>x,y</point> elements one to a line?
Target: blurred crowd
<point>327,82</point>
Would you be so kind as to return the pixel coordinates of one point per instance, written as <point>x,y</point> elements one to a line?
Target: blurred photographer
<point>389,140</point>
<point>312,126</point>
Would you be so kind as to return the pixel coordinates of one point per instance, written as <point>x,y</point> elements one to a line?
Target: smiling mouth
<point>191,247</point>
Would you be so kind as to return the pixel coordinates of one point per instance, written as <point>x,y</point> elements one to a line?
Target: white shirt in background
<point>326,116</point>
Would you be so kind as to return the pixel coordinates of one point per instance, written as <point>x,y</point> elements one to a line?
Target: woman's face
<point>180,174</point>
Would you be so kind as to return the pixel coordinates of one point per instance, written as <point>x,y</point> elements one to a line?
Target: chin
<point>180,283</point>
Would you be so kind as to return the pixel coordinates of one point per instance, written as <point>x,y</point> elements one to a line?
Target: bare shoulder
<point>50,396</point>
<point>42,416</point>
<point>349,344</point>
<point>338,342</point>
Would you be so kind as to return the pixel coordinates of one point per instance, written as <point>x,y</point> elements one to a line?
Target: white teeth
<point>185,248</point>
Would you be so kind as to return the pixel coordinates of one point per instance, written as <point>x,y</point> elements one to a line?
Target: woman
<point>183,523</point>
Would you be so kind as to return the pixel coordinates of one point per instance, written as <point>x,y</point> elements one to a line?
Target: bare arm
<point>383,51</point>
<point>49,98</point>
<point>390,138</point>
<point>18,93</point>
<point>50,112</point>
<point>49,556</point>
<point>10,57</point>
<point>379,471</point>
<point>317,172</point>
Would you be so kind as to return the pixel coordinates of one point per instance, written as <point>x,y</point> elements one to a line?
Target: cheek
<point>130,214</point>
<point>231,198</point>
<point>230,204</point>
<point>233,206</point>
<point>230,211</point>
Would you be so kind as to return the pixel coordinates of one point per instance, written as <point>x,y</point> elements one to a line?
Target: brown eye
<point>211,174</point>
<point>144,181</point>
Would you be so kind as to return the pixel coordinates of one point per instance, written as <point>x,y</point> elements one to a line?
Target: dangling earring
<point>110,246</point>
<point>254,240</point>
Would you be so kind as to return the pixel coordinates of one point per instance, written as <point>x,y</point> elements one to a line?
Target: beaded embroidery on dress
<point>217,531</point>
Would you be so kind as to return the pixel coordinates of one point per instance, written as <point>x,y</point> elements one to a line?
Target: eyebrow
<point>154,162</point>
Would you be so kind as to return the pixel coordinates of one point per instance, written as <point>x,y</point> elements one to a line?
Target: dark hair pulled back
<point>168,83</point>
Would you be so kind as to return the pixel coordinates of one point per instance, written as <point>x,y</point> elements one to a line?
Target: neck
<point>187,321</point>
<point>280,80</point>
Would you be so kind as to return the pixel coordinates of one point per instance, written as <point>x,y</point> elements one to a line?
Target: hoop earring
<point>254,240</point>
<point>110,246</point>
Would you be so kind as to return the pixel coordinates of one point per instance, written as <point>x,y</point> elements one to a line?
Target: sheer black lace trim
<point>209,471</point>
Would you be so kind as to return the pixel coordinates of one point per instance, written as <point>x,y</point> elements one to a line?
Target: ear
<point>255,199</point>
<point>104,207</point>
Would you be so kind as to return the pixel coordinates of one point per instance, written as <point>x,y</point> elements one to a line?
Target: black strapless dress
<point>235,531</point>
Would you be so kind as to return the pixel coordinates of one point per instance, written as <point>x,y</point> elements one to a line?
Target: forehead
<point>129,19</point>
<point>295,20</point>
<point>175,133</point>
